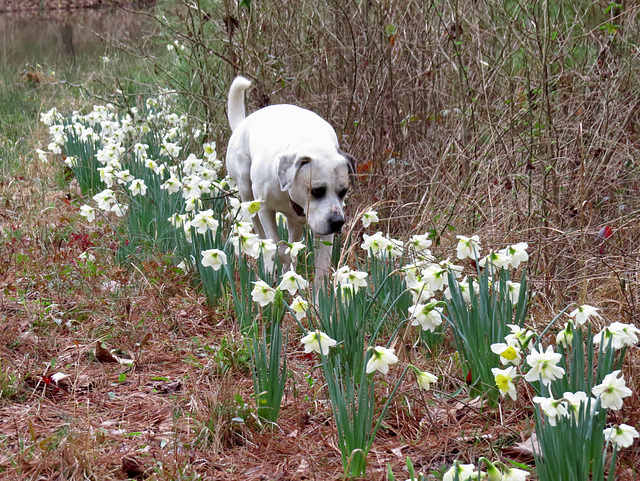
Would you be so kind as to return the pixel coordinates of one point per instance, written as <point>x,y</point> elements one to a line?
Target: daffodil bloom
<point>291,282</point>
<point>421,243</point>
<point>468,247</point>
<point>138,187</point>
<point>493,474</point>
<point>375,244</point>
<point>42,155</point>
<point>420,292</point>
<point>575,401</point>
<point>267,248</point>
<point>583,313</point>
<point>172,185</point>
<point>509,353</point>
<point>214,258</point>
<point>622,436</point>
<point>294,248</point>
<point>124,176</point>
<point>504,380</point>
<point>518,336</point>
<point>620,335</point>
<point>551,408</point>
<point>612,391</point>
<point>464,472</point>
<point>543,366</point>
<point>514,474</point>
<point>517,254</point>
<point>370,217</point>
<point>513,290</point>
<point>88,212</point>
<point>317,341</point>
<point>119,209</point>
<point>394,248</point>
<point>345,277</point>
<point>246,243</point>
<point>381,358</point>
<point>299,307</point>
<point>262,293</point>
<point>425,379</point>
<point>428,316</point>
<point>436,276</point>
<point>494,261</point>
<point>250,208</point>
<point>105,199</point>
<point>565,337</point>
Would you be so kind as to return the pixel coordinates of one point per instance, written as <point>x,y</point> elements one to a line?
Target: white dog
<point>289,158</point>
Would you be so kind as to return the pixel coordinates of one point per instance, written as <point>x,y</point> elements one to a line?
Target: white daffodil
<point>381,358</point>
<point>425,379</point>
<point>517,254</point>
<point>370,217</point>
<point>317,341</point>
<point>504,380</point>
<point>583,313</point>
<point>204,221</point>
<point>250,208</point>
<point>375,244</point>
<point>514,474</point>
<point>88,212</point>
<point>551,408</point>
<point>299,307</point>
<point>172,185</point>
<point>124,176</point>
<point>262,293</point>
<point>138,187</point>
<point>612,390</point>
<point>494,261</point>
<point>268,249</point>
<point>543,366</point>
<point>518,336</point>
<point>42,155</point>
<point>420,292</point>
<point>345,277</point>
<point>468,247</point>
<point>565,337</point>
<point>214,258</point>
<point>291,281</point>
<point>119,209</point>
<point>105,199</point>
<point>246,243</point>
<point>428,316</point>
<point>513,289</point>
<point>509,353</point>
<point>421,243</point>
<point>620,335</point>
<point>575,401</point>
<point>461,472</point>
<point>622,436</point>
<point>294,248</point>
<point>436,276</point>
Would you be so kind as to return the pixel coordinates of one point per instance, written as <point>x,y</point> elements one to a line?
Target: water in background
<point>56,38</point>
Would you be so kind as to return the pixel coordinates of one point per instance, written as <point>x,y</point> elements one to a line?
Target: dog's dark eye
<point>319,192</point>
<point>342,193</point>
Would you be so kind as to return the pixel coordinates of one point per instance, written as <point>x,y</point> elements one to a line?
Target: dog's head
<point>317,181</point>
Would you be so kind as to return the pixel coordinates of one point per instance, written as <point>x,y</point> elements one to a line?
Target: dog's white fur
<point>289,158</point>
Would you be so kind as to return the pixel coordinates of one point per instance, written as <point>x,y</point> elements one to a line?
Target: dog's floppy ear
<point>287,168</point>
<point>351,162</point>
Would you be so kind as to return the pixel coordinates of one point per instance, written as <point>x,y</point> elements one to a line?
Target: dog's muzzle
<point>335,221</point>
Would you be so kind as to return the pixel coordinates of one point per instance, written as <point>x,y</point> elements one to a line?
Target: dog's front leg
<point>267,218</point>
<point>324,245</point>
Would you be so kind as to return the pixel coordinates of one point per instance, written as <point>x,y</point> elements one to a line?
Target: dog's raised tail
<point>235,111</point>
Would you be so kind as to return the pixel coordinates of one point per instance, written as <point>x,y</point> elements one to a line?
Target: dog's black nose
<point>336,222</point>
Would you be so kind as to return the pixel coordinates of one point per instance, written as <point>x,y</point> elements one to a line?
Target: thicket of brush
<point>516,119</point>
